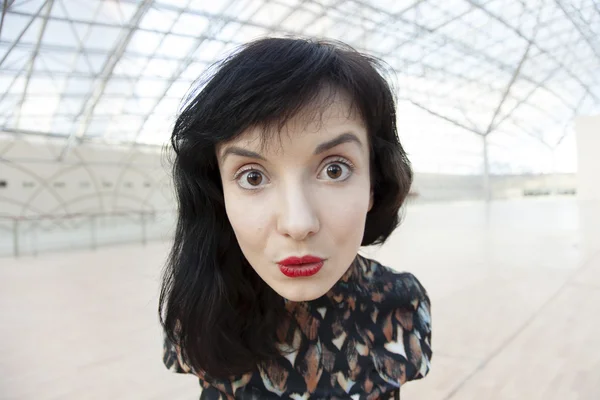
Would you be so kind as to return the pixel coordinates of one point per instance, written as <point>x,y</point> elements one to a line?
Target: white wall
<point>91,179</point>
<point>438,187</point>
<point>96,196</point>
<point>588,157</point>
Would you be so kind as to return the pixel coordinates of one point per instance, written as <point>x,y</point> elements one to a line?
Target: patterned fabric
<point>363,339</point>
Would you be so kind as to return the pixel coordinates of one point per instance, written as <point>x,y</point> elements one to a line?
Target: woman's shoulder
<point>389,286</point>
<point>400,303</point>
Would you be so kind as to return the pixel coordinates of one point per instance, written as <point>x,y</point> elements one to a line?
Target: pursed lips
<point>300,261</point>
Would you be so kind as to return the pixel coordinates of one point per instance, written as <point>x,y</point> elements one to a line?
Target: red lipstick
<point>295,267</point>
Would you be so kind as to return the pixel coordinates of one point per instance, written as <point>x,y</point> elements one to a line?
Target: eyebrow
<point>341,139</point>
<point>323,147</point>
<point>238,151</point>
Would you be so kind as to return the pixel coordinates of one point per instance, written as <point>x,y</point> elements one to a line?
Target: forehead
<point>322,119</point>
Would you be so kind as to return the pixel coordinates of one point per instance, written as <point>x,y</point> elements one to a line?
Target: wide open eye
<point>337,171</point>
<point>251,179</point>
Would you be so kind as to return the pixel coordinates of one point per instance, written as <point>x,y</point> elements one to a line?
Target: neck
<point>351,275</point>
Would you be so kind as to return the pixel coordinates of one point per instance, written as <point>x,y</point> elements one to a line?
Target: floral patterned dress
<point>363,339</point>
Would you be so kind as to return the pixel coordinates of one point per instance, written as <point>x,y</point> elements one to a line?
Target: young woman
<point>287,160</point>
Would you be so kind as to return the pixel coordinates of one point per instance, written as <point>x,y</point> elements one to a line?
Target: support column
<point>487,190</point>
<point>587,130</point>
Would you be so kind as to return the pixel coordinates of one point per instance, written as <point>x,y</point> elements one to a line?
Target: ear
<point>370,201</point>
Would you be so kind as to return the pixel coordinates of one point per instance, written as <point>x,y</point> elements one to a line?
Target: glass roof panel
<point>35,123</point>
<point>28,5</point>
<point>61,125</point>
<point>77,86</point>
<point>243,10</point>
<point>110,105</point>
<point>145,42</point>
<point>159,19</point>
<point>119,86</point>
<point>209,7</point>
<point>77,10</point>
<point>167,107</point>
<point>47,62</point>
<point>59,33</point>
<point>318,27</point>
<point>15,60</point>
<point>176,46</point>
<point>193,71</point>
<point>149,87</point>
<point>461,67</point>
<point>40,86</point>
<point>13,28</point>
<point>191,24</point>
<point>41,105</point>
<point>179,88</point>
<point>209,51</point>
<point>71,105</point>
<point>159,68</point>
<point>102,37</point>
<point>18,86</point>
<point>139,105</point>
<point>270,14</point>
<point>298,19</point>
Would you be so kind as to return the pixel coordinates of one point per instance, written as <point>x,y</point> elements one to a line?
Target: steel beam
<point>509,86</point>
<point>126,26</point>
<point>12,46</point>
<point>453,122</point>
<point>92,99</point>
<point>89,51</point>
<point>5,5</point>
<point>518,32</point>
<point>175,75</point>
<point>578,28</point>
<point>524,99</point>
<point>19,106</point>
<point>150,58</point>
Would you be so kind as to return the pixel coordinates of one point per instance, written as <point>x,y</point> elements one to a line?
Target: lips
<point>299,261</point>
<point>295,267</point>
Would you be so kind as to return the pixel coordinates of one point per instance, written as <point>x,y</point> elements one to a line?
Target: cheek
<point>343,212</point>
<point>249,218</point>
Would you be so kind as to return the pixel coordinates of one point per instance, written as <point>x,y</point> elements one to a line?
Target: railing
<point>35,234</point>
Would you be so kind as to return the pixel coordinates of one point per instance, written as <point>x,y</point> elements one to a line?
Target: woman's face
<point>306,193</point>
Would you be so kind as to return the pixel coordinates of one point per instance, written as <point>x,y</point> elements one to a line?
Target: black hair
<point>213,305</point>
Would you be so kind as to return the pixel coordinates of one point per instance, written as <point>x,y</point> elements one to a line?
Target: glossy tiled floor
<point>515,290</point>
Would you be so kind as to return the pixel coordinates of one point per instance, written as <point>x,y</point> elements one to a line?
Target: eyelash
<point>331,160</point>
<point>341,160</point>
<point>245,168</point>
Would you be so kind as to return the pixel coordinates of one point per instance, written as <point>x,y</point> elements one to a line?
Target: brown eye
<point>254,178</point>
<point>334,171</point>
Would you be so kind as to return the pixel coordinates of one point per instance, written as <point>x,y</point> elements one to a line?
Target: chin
<point>296,296</point>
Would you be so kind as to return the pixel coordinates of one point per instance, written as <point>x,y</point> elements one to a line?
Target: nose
<point>297,216</point>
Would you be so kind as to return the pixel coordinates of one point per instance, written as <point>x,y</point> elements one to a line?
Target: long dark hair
<point>213,305</point>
